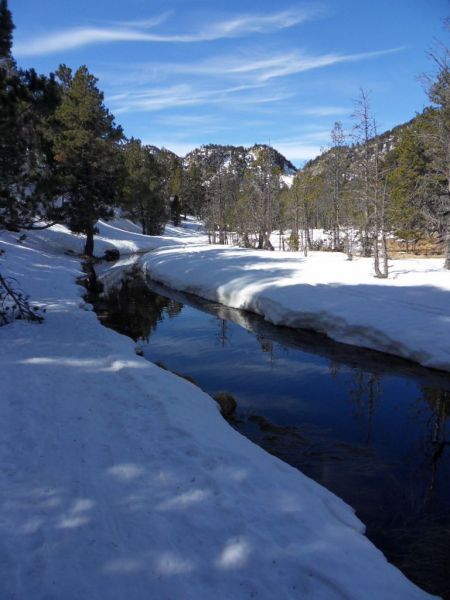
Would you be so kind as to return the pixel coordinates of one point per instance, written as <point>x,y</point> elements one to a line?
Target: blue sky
<point>179,74</point>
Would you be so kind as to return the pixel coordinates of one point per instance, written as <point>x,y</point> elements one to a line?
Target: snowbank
<point>407,315</point>
<point>120,480</point>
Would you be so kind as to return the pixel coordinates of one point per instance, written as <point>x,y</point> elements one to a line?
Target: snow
<point>121,480</point>
<point>407,315</point>
<point>287,179</point>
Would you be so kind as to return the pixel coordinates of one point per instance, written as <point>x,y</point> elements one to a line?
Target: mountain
<point>386,142</point>
<point>212,157</point>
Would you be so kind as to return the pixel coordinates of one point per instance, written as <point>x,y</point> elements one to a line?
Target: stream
<point>370,427</point>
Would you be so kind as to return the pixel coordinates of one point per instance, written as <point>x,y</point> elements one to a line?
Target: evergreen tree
<point>11,90</point>
<point>86,147</point>
<point>193,190</point>
<point>170,165</point>
<point>437,139</point>
<point>27,105</point>
<point>335,179</point>
<point>175,210</point>
<point>143,194</point>
<point>6,31</point>
<point>407,168</point>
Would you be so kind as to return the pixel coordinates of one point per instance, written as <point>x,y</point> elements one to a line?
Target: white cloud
<point>156,99</point>
<point>256,69</point>
<point>325,111</point>
<point>206,84</point>
<point>146,23</point>
<point>293,63</point>
<point>70,39</point>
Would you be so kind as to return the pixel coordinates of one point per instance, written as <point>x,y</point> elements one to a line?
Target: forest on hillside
<point>64,159</point>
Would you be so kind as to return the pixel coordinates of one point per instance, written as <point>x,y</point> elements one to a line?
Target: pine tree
<point>11,90</point>
<point>175,210</point>
<point>6,31</point>
<point>143,194</point>
<point>86,147</point>
<point>27,105</point>
<point>336,166</point>
<point>437,139</point>
<point>407,170</point>
<point>193,190</point>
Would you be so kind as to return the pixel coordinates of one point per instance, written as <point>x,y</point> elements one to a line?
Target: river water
<point>372,428</point>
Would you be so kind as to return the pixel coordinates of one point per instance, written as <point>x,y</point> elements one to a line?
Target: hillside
<point>211,157</point>
<point>386,141</point>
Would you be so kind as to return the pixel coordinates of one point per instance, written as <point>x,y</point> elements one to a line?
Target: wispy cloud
<point>185,94</point>
<point>236,80</point>
<point>186,120</point>
<point>324,111</point>
<point>71,39</point>
<point>145,23</point>
<point>258,70</point>
<point>265,68</point>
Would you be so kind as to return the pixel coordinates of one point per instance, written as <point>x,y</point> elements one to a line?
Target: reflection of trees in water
<point>267,346</point>
<point>334,368</point>
<point>420,546</point>
<point>366,392</point>
<point>436,437</point>
<point>223,333</point>
<point>439,402</point>
<point>414,532</point>
<point>134,310</point>
<point>422,460</point>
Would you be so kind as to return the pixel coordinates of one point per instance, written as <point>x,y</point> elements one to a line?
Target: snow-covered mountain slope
<point>212,157</point>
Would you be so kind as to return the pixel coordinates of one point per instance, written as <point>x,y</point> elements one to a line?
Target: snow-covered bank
<point>407,315</point>
<point>120,234</point>
<point>120,480</point>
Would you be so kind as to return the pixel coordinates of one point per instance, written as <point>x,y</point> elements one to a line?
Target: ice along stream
<point>372,428</point>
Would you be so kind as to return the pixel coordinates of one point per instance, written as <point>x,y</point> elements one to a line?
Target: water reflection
<point>372,428</point>
<point>133,309</point>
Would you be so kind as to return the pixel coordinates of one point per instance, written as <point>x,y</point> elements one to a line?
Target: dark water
<point>372,428</point>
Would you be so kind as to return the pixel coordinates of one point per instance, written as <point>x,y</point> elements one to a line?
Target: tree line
<point>363,191</point>
<point>63,159</point>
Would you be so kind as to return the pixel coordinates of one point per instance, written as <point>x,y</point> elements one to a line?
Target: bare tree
<point>262,188</point>
<point>370,186</point>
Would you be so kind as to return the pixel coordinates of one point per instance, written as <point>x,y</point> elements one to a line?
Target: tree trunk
<point>308,238</point>
<point>385,255</point>
<point>89,246</point>
<point>376,255</point>
<point>305,242</point>
<point>348,243</point>
<point>384,250</point>
<point>380,232</point>
<point>447,241</point>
